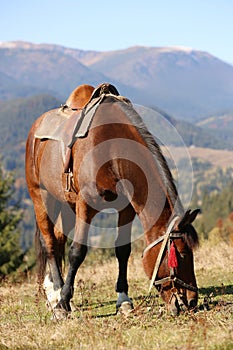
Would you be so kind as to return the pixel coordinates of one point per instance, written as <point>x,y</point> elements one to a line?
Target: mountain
<point>222,121</point>
<point>11,88</point>
<point>220,125</point>
<point>186,83</point>
<point>51,69</point>
<point>45,68</point>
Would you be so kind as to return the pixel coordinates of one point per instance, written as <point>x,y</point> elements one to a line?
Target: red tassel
<point>172,259</point>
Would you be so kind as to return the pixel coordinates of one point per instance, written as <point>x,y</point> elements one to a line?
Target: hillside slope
<point>16,118</point>
<point>181,81</point>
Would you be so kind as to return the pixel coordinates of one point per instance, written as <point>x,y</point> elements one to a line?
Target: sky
<point>104,25</point>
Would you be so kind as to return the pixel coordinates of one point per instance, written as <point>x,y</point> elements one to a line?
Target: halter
<point>165,239</point>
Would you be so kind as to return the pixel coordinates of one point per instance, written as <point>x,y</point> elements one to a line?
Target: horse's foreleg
<point>123,250</point>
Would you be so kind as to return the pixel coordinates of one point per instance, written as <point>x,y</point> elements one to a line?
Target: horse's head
<point>168,261</point>
<point>80,96</point>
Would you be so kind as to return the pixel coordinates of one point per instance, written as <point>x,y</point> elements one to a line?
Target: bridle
<point>166,240</point>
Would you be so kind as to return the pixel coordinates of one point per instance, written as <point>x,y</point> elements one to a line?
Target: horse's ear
<point>188,218</point>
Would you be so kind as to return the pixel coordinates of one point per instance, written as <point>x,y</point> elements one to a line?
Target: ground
<point>25,323</point>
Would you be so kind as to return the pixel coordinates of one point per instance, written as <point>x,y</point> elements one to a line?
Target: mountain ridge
<point>187,83</point>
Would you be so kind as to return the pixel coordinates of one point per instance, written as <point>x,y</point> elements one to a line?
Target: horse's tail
<point>41,256</point>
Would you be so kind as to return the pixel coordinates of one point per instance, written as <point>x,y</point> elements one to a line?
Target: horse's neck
<point>155,226</point>
<point>154,205</point>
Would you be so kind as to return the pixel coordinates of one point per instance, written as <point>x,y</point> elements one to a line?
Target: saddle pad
<point>66,125</point>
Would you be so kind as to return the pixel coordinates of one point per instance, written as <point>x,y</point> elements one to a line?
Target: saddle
<point>69,122</point>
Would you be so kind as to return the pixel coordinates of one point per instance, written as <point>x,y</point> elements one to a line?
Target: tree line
<point>11,254</point>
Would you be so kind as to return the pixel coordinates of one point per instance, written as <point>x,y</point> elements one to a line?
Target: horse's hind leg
<point>77,251</point>
<point>64,223</point>
<point>123,250</point>
<point>48,246</point>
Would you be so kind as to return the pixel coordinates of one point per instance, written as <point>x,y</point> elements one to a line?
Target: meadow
<point>25,322</point>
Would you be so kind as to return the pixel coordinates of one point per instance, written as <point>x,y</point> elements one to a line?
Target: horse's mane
<point>161,162</point>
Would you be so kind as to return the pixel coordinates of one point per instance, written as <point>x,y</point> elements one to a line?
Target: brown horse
<point>118,165</point>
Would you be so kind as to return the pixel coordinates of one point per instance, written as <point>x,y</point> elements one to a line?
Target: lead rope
<point>163,246</point>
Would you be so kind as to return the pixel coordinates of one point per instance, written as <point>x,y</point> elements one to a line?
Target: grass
<point>26,324</point>
<point>219,158</point>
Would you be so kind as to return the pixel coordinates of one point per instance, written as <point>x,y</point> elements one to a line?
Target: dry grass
<point>25,323</point>
<point>219,158</point>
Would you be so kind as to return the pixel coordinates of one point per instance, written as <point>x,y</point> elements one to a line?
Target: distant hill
<point>186,83</point>
<point>46,69</point>
<point>170,131</point>
<point>11,88</point>
<point>216,157</point>
<point>222,120</point>
<point>219,125</point>
<point>16,118</point>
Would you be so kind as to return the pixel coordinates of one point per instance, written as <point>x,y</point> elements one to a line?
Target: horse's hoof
<point>125,308</point>
<point>72,306</point>
<point>60,314</point>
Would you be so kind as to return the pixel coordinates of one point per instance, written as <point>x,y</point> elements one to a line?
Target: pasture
<point>25,323</point>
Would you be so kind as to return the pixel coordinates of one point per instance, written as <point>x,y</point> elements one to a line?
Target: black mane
<point>161,162</point>
<point>190,235</point>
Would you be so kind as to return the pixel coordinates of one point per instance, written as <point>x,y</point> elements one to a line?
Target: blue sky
<point>111,25</point>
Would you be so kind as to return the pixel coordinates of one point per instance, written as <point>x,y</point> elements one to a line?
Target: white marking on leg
<point>122,298</point>
<point>53,296</point>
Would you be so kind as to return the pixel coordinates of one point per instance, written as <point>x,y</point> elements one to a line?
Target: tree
<point>11,255</point>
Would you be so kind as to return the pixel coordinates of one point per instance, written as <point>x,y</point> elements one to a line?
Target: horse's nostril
<point>174,310</point>
<point>192,303</point>
<point>174,307</point>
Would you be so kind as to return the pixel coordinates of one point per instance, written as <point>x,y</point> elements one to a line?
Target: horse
<point>119,165</point>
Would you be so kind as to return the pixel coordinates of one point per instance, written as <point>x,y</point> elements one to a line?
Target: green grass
<point>26,324</point>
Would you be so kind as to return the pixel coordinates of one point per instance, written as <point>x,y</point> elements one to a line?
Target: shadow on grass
<point>105,306</point>
<point>97,304</point>
<point>216,290</point>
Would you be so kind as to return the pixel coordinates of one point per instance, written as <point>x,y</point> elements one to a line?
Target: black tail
<point>41,256</point>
